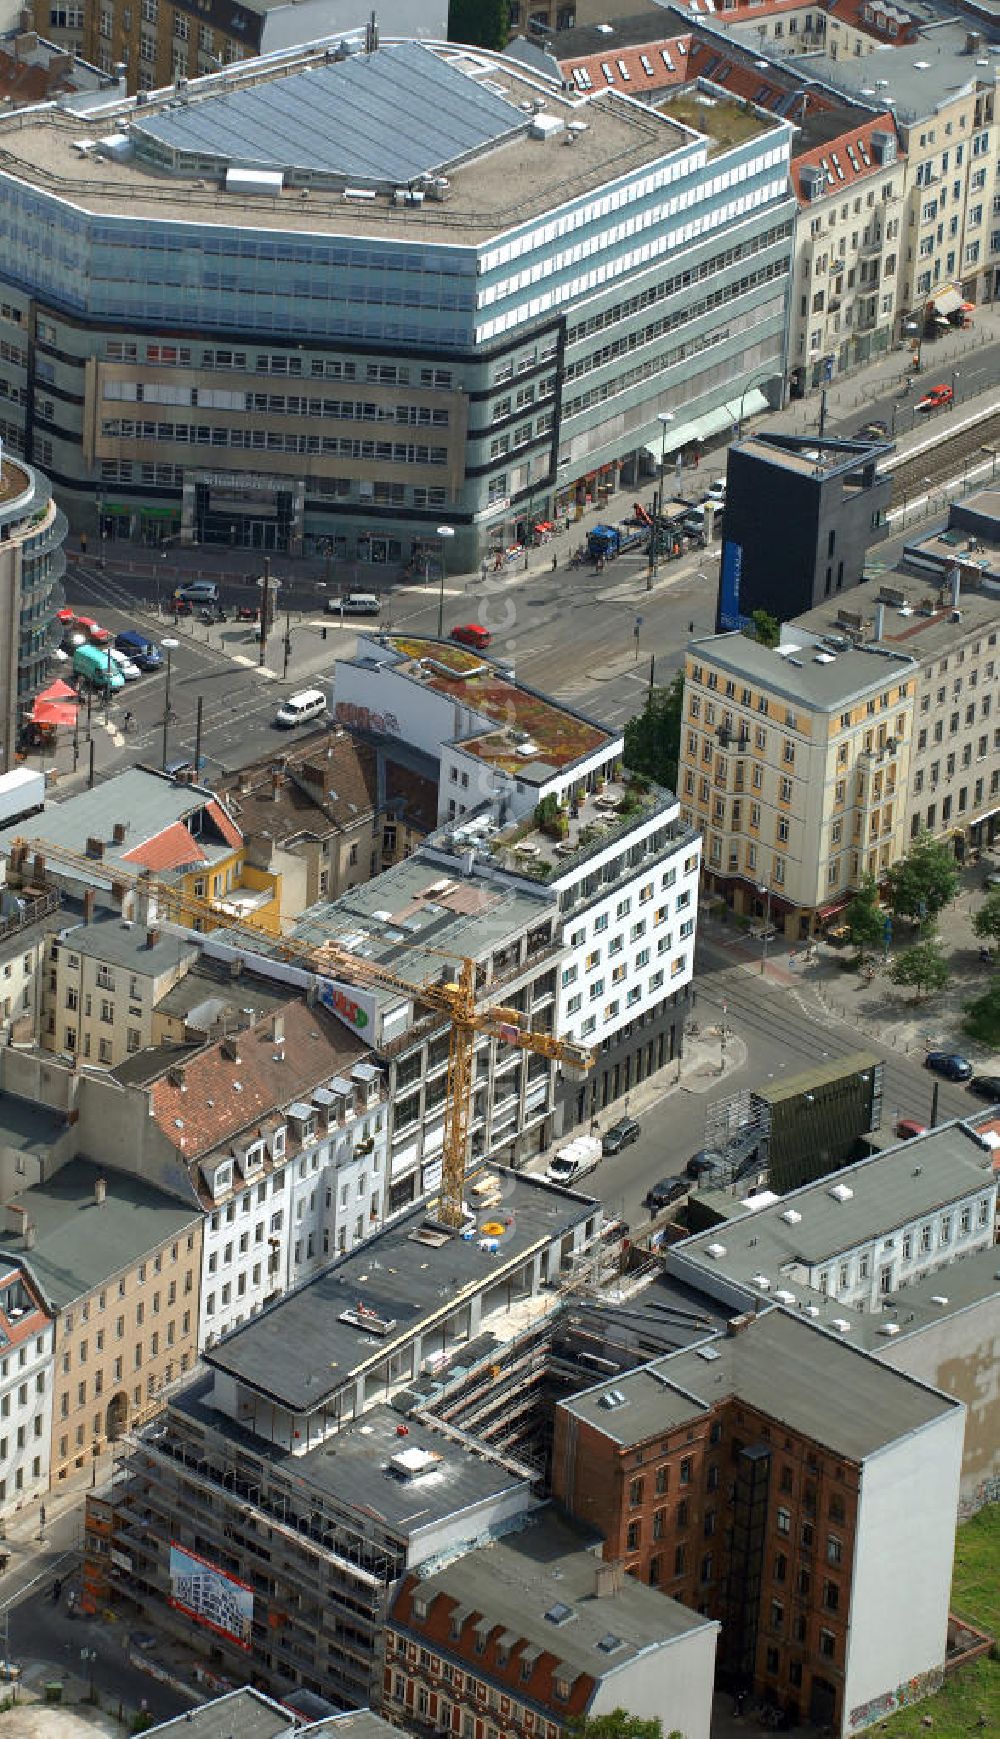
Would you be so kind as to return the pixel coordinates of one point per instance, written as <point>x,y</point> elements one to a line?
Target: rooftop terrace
<point>724,120</point>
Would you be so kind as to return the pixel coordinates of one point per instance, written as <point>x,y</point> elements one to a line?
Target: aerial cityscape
<point>500,902</point>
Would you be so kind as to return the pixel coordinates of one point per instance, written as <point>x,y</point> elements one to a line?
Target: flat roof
<point>888,1190</point>
<point>242,1714</point>
<point>560,734</point>
<point>28,1127</point>
<point>808,456</point>
<point>525,1582</point>
<point>917,614</point>
<point>790,1369</point>
<point>726,121</point>
<point>80,1243</point>
<point>920,76</point>
<point>795,672</point>
<point>301,1351</point>
<point>498,186</point>
<point>210,992</point>
<point>923,1303</point>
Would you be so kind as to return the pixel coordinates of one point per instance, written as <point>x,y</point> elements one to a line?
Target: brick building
<point>770,1478</point>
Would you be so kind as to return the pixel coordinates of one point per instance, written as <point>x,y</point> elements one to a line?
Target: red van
<point>471,634</point>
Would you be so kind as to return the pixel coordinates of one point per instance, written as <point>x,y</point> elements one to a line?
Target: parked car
<point>472,634</point>
<point>704,1162</point>
<point>908,1128</point>
<point>660,1196</point>
<point>301,708</point>
<point>716,491</point>
<point>250,612</point>
<point>937,398</point>
<point>129,669</point>
<point>986,1087</point>
<point>141,650</point>
<point>621,1134</point>
<point>876,430</point>
<point>951,1064</point>
<point>197,592</point>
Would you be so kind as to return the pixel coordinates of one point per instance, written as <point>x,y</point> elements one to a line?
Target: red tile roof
<point>653,66</point>
<point>225,823</point>
<point>174,848</point>
<point>205,1101</point>
<point>888,23</point>
<point>850,153</point>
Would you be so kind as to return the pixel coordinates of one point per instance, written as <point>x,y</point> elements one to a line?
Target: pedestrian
<point>83,543</point>
<point>555,561</point>
<point>484,569</point>
<point>41,1514</point>
<point>56,1591</point>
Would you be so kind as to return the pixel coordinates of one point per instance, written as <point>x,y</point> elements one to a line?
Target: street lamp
<point>956,375</point>
<point>664,418</point>
<point>445,533</point>
<point>761,889</point>
<point>170,647</point>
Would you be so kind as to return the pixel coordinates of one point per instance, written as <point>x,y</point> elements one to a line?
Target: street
<point>48,1644</point>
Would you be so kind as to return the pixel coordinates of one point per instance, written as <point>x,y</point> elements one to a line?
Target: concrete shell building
<point>495,288</point>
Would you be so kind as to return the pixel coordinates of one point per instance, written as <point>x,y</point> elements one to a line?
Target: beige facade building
<point>118,1264</point>
<point>106,978</point>
<point>794,764</point>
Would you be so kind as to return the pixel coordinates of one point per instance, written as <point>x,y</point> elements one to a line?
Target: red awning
<point>59,690</point>
<point>52,712</point>
<point>968,307</point>
<point>830,911</point>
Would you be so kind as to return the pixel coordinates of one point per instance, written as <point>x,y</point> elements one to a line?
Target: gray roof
<point>242,1714</point>
<point>356,1724</point>
<point>144,801</point>
<point>28,1127</point>
<point>391,116</point>
<point>789,1369</point>
<point>926,1302</point>
<point>118,942</point>
<point>889,1190</point>
<point>299,1352</point>
<point>825,686</point>
<point>515,1582</point>
<point>210,989</point>
<point>920,76</point>
<point>79,1245</point>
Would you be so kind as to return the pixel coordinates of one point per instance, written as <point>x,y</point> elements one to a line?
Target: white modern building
<point>27,1340</point>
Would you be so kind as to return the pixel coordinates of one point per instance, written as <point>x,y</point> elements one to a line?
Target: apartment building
<point>116,1263</point>
<point>757,1477</point>
<point>27,1338</point>
<point>287,1467</point>
<point>538,794</point>
<point>950,627</point>
<point>333,811</point>
<point>535,1633</point>
<point>145,824</point>
<point>795,765</point>
<point>105,978</point>
<point>941,87</point>
<point>158,42</point>
<point>528,378</point>
<point>27,921</point>
<point>32,562</point>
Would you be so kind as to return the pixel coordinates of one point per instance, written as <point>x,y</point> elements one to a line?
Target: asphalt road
<point>48,1644</point>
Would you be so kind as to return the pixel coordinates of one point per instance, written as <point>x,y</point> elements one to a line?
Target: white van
<point>354,604</point>
<point>302,708</point>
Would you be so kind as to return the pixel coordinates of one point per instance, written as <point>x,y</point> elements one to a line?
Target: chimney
<point>276,783</point>
<point>737,1324</point>
<point>879,621</point>
<point>152,937</point>
<point>18,856</point>
<point>17,1219</point>
<point>279,1029</point>
<point>38,872</point>
<point>30,1236</point>
<point>245,783</point>
<point>956,586</point>
<point>95,847</point>
<point>231,1050</point>
<point>609,1579</point>
<point>89,902</point>
<point>120,830</point>
<point>100,1191</point>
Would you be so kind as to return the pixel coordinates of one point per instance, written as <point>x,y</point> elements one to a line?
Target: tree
<point>483,22</point>
<point>982,1016</point>
<point>864,917</point>
<point>764,627</point>
<point>653,737</point>
<point>620,1725</point>
<point>986,922</point>
<point>923,882</point>
<point>924,966</point>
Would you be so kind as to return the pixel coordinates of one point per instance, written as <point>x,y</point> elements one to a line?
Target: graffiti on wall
<point>986,1492</point>
<point>911,1691</point>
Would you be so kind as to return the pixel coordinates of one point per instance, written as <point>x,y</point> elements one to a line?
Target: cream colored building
<point>794,764</point>
<point>105,980</point>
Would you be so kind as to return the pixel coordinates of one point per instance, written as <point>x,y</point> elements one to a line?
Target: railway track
<point>921,473</point>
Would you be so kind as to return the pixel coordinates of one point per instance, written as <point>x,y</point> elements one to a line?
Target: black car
<point>669,1189</point>
<point>621,1134</point>
<point>702,1163</point>
<point>986,1087</point>
<point>950,1064</point>
<point>876,430</point>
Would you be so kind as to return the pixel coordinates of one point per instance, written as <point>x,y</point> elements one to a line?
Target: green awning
<point>725,416</point>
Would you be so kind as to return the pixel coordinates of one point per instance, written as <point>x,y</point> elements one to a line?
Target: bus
<point>93,664</point>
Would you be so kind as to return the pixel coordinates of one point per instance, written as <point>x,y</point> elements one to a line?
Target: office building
<point>759,1477</point>
<point>154,45</point>
<point>32,563</point>
<point>538,1628</point>
<point>27,1362</point>
<point>795,765</point>
<point>289,1471</point>
<point>829,499</point>
<point>483,305</point>
<point>116,1263</point>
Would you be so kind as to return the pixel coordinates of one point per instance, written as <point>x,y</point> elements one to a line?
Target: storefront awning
<point>948,301</point>
<point>728,416</point>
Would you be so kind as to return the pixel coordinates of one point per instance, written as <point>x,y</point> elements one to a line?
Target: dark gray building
<point>800,514</point>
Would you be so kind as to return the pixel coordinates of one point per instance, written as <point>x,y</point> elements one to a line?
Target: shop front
<point>243,509</point>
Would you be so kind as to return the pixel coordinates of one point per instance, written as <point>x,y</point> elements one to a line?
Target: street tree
<point>982,1016</point>
<point>653,737</point>
<point>763,627</point>
<point>986,922</point>
<point>865,918</point>
<point>483,22</point>
<point>923,882</point>
<point>619,1725</point>
<point>924,966</point>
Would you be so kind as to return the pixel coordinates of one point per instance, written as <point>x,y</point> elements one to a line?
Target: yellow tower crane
<point>454,998</point>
